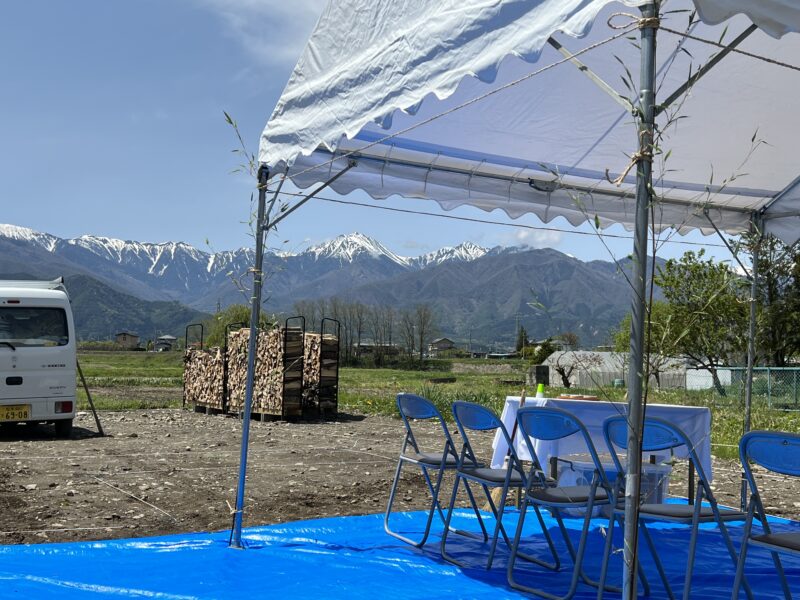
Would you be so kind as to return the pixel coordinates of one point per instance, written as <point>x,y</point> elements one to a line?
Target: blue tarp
<point>347,557</point>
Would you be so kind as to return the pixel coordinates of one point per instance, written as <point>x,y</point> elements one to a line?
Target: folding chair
<point>471,417</point>
<point>413,407</point>
<point>777,452</point>
<point>660,435</point>
<point>547,423</point>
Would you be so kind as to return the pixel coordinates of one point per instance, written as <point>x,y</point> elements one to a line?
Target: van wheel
<point>63,428</point>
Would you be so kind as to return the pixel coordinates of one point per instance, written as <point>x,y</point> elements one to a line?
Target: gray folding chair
<point>471,417</point>
<point>413,407</point>
<point>547,423</point>
<point>780,453</point>
<point>660,435</point>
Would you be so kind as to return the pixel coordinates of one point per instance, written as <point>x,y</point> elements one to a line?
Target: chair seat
<point>685,512</point>
<point>492,475</point>
<point>431,458</point>
<point>567,495</point>
<point>786,541</point>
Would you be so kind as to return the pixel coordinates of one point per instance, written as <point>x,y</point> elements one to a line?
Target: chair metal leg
<point>656,559</point>
<point>748,525</point>
<point>734,556</point>
<point>601,584</point>
<point>477,512</point>
<point>556,564</point>
<point>392,493</point>
<point>450,507</point>
<point>498,513</point>
<point>687,582</point>
<point>433,490</point>
<point>606,556</point>
<point>787,594</point>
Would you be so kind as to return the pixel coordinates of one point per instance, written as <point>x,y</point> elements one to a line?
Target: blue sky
<point>112,124</point>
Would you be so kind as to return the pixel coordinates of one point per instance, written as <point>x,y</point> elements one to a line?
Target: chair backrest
<point>550,423</point>
<point>411,407</point>
<point>474,417</point>
<point>658,434</point>
<point>776,451</point>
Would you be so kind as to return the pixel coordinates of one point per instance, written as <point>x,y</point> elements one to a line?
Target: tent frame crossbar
<point>683,88</point>
<point>594,77</point>
<point>747,272</point>
<point>550,185</point>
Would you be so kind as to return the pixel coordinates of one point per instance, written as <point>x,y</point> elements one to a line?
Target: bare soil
<point>168,470</point>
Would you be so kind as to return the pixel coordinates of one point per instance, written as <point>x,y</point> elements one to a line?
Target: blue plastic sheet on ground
<point>352,557</point>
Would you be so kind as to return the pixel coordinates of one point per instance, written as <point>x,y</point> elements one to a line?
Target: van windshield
<point>33,326</point>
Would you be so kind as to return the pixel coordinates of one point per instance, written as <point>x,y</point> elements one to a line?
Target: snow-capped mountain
<point>179,271</point>
<point>25,235</point>
<point>464,252</point>
<point>353,246</point>
<point>469,287</point>
<point>348,248</point>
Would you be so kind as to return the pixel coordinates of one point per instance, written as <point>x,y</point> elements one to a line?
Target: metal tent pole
<point>644,186</point>
<point>751,352</point>
<point>255,314</point>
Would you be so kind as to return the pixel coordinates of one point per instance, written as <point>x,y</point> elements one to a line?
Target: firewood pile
<point>329,375</point>
<point>296,374</point>
<point>203,377</point>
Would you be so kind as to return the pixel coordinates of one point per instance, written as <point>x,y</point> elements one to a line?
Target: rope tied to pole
<point>636,157</point>
<point>633,20</point>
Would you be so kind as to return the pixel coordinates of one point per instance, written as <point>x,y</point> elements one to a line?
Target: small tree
<point>538,354</point>
<point>708,311</point>
<point>661,341</point>
<point>236,313</point>
<point>566,363</point>
<point>571,340</point>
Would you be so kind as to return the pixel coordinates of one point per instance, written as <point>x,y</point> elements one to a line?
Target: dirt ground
<point>168,471</point>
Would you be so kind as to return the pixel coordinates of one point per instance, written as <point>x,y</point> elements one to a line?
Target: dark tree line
<point>382,332</point>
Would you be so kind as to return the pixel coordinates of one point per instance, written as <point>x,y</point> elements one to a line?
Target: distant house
<point>127,340</point>
<point>440,345</point>
<point>165,343</point>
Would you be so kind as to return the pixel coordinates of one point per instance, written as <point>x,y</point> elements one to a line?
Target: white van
<point>37,354</point>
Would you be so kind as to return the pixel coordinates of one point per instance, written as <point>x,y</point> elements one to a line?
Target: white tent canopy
<point>375,77</point>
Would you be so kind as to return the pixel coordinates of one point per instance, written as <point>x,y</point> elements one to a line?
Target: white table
<point>694,421</point>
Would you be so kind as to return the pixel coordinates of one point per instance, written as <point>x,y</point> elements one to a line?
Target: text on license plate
<point>15,412</point>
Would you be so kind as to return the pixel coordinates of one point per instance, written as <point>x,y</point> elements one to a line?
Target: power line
<point>501,223</point>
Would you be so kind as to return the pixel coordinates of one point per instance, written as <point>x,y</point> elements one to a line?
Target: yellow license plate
<point>15,412</point>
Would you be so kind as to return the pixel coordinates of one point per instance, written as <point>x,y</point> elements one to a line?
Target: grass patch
<point>131,364</point>
<point>135,380</point>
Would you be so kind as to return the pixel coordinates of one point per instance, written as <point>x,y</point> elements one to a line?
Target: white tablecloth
<point>694,421</point>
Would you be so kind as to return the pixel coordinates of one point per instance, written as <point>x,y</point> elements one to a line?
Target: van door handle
<point>13,380</point>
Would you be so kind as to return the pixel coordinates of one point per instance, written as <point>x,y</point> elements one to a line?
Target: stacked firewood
<point>311,369</point>
<point>328,398</point>
<point>296,374</point>
<point>278,382</point>
<point>203,377</point>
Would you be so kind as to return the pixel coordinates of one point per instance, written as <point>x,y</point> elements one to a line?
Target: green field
<point>125,380</point>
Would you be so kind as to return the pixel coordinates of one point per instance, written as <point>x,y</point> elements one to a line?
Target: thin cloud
<point>534,239</point>
<point>273,32</point>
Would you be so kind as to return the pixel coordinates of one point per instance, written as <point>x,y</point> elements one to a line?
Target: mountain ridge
<point>473,289</point>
